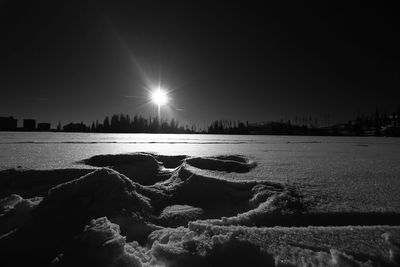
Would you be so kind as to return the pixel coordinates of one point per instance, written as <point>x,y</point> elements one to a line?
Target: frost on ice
<point>153,210</point>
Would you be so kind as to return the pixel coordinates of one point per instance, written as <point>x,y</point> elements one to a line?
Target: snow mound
<point>226,164</point>
<point>33,183</point>
<point>287,246</point>
<point>185,187</point>
<point>116,159</point>
<point>101,192</point>
<point>237,158</point>
<point>191,249</point>
<point>9,202</point>
<point>147,168</point>
<point>62,214</point>
<point>223,198</point>
<point>139,167</point>
<point>274,211</point>
<point>170,161</point>
<point>15,212</point>
<point>100,244</point>
<point>178,217</point>
<point>199,244</point>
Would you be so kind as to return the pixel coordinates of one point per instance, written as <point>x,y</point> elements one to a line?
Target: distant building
<point>29,125</point>
<point>8,124</point>
<point>43,126</point>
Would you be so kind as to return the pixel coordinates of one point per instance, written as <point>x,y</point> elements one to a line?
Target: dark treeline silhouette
<point>124,124</point>
<point>269,128</point>
<point>378,124</point>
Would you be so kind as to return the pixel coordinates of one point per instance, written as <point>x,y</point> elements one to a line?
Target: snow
<point>31,183</point>
<point>190,214</point>
<point>338,172</point>
<point>99,244</point>
<point>15,212</point>
<point>144,167</point>
<point>97,200</point>
<point>177,215</point>
<point>235,164</point>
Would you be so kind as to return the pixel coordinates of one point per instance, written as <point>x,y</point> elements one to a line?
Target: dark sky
<point>83,60</point>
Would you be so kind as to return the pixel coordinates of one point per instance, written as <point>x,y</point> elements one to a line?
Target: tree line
<point>123,123</point>
<point>378,124</point>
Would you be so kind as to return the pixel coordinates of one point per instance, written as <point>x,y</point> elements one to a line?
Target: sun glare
<point>159,97</point>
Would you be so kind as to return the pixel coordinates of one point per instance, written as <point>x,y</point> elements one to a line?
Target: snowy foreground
<point>147,209</point>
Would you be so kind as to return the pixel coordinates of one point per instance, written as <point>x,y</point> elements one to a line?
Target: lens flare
<point>159,97</point>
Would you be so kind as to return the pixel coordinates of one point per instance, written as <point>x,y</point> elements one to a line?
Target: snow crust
<point>152,210</point>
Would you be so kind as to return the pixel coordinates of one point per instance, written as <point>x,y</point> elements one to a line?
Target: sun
<point>159,97</point>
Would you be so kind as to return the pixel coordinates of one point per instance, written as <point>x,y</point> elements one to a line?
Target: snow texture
<point>152,210</point>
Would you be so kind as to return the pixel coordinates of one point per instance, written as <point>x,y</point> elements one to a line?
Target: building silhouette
<point>29,125</point>
<point>8,124</point>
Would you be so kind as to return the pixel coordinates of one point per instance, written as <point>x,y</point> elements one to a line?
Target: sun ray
<point>160,97</point>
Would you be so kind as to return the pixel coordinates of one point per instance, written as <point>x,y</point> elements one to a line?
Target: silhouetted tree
<point>106,125</point>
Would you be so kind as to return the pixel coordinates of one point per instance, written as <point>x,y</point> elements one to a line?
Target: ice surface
<point>146,209</point>
<point>336,172</point>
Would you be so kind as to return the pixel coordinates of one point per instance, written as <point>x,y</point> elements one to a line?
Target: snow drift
<point>146,210</point>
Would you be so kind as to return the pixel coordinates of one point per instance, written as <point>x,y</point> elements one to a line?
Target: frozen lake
<point>347,173</point>
<point>278,194</point>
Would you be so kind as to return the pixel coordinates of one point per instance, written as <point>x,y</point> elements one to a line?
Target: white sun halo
<point>159,97</point>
